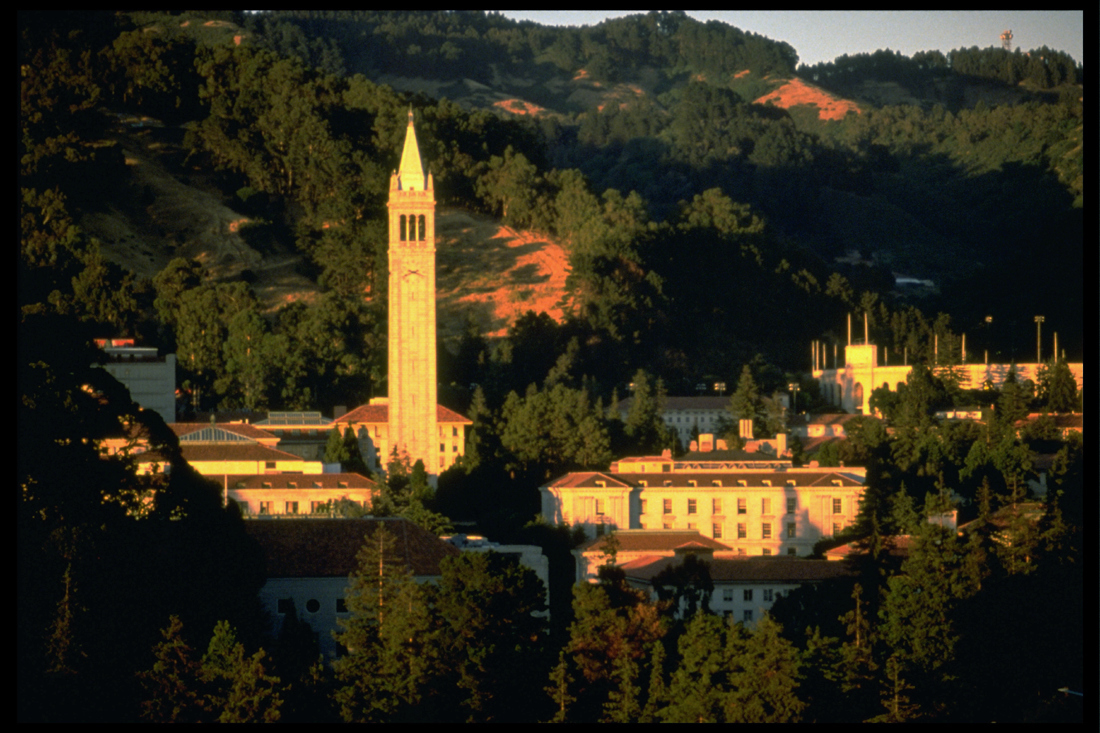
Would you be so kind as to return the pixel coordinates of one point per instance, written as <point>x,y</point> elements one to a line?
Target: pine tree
<point>558,689</point>
<point>623,705</point>
<point>698,690</point>
<point>492,633</point>
<point>657,695</point>
<point>241,689</point>
<point>336,449</point>
<point>765,672</point>
<point>899,709</point>
<point>354,462</point>
<point>388,662</point>
<point>174,690</point>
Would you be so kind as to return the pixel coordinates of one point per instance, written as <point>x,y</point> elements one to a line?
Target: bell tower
<point>412,348</point>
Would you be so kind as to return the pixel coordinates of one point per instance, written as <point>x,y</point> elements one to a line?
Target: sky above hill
<point>824,35</point>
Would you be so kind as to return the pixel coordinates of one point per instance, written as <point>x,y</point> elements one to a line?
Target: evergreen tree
<point>336,449</point>
<point>389,658</point>
<point>558,689</point>
<point>492,634</point>
<point>644,426</point>
<point>242,690</point>
<point>174,689</point>
<point>354,462</point>
<point>764,675</point>
<point>745,404</point>
<point>657,694</point>
<point>623,704</point>
<point>699,687</point>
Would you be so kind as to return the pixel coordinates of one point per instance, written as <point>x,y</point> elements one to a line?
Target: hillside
<point>486,271</point>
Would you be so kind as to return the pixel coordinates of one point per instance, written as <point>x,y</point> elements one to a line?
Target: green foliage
<point>387,635</point>
<point>492,630</point>
<point>554,430</point>
<point>225,686</point>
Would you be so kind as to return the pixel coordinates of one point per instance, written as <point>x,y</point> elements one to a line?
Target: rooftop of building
<point>706,402</point>
<point>327,548</point>
<point>300,481</point>
<point>744,569</point>
<point>377,412</point>
<point>654,540</point>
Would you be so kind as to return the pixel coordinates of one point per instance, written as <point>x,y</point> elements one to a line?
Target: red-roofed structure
<point>371,423</point>
<point>308,563</point>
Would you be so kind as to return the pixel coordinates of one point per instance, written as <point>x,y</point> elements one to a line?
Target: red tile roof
<point>301,480</point>
<point>656,540</point>
<point>325,548</point>
<point>373,414</point>
<point>747,569</point>
<point>224,452</point>
<point>243,429</point>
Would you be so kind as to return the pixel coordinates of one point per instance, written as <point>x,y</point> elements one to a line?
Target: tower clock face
<point>410,272</point>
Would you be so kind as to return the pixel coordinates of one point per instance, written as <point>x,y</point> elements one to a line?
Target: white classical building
<point>849,387</point>
<point>755,505</point>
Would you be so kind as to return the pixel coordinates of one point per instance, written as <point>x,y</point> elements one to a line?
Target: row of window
<point>408,228</point>
<point>291,507</point>
<point>742,506</point>
<point>769,594</point>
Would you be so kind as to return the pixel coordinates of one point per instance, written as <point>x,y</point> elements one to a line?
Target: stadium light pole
<point>1038,340</point>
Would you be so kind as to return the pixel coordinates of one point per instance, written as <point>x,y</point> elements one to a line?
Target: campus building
<point>757,505</point>
<point>849,387</point>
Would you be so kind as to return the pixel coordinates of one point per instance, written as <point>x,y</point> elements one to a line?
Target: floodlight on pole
<point>1038,339</point>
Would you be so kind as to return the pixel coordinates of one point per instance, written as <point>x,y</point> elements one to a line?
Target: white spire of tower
<point>410,174</point>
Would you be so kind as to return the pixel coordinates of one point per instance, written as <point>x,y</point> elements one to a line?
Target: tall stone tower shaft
<point>412,348</point>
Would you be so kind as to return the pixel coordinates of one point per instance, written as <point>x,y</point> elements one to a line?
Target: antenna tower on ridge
<point>1006,40</point>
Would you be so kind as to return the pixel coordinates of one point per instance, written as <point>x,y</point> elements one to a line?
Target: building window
<point>599,507</point>
<point>691,525</point>
<point>769,595</point>
<point>313,605</point>
<point>267,507</point>
<point>836,528</point>
<point>792,504</point>
<point>716,531</point>
<point>691,506</point>
<point>269,465</point>
<point>666,524</point>
<point>766,530</point>
<point>727,595</point>
<point>765,506</point>
<point>341,605</point>
<point>792,551</point>
<point>742,506</point>
<point>766,552</point>
<point>748,594</point>
<point>318,507</point>
<point>741,533</point>
<point>292,507</point>
<point>790,530</point>
<point>740,550</point>
<point>666,506</point>
<point>442,448</point>
<point>836,506</point>
<point>715,506</point>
